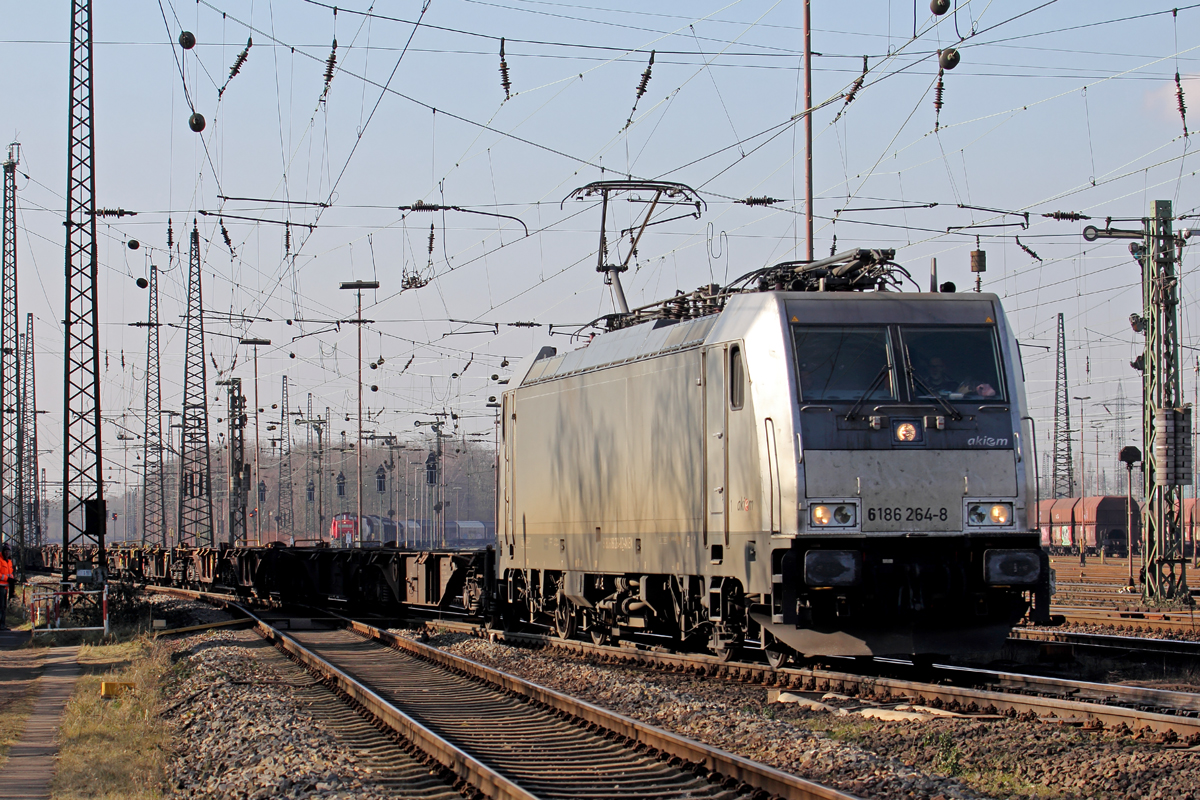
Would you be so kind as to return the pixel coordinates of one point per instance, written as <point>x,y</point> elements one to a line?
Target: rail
<point>1014,694</point>
<point>698,759</point>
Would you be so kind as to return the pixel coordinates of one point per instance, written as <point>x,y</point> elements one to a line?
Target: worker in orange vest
<point>8,581</point>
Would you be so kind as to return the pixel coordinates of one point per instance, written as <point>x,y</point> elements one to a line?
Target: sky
<point>1055,106</point>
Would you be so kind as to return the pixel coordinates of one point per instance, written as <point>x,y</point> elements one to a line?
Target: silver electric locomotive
<point>808,462</point>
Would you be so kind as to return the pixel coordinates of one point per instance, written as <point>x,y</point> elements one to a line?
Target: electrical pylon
<point>30,472</point>
<point>195,484</point>
<point>83,506</point>
<point>10,423</point>
<point>284,515</point>
<point>154,494</point>
<point>1064,467</point>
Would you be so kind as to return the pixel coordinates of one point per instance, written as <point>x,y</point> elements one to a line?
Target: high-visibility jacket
<point>6,570</point>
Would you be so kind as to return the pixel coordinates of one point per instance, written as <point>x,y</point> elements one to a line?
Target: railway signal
<point>1166,421</point>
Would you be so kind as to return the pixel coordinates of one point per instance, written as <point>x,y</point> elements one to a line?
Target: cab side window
<point>737,379</point>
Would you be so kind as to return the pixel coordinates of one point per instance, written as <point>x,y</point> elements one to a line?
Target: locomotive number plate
<point>907,514</point>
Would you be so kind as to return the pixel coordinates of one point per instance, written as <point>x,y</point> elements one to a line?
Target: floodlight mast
<point>675,194</point>
<point>357,287</point>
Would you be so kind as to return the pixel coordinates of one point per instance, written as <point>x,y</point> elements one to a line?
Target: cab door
<point>715,442</point>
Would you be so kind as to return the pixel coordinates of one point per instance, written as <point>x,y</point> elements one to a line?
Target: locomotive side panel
<point>607,469</point>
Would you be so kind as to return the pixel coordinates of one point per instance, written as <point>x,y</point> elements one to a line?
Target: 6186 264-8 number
<point>907,514</point>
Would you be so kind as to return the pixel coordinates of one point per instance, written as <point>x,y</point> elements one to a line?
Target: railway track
<point>507,738</point>
<point>1173,715</point>
<point>1179,622</point>
<point>392,767</point>
<point>1124,644</point>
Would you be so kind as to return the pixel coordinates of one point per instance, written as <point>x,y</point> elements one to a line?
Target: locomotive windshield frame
<point>940,362</point>
<point>955,361</point>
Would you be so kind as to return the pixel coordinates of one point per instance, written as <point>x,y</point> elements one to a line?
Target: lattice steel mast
<point>83,479</point>
<point>1166,422</point>
<point>1063,465</point>
<point>195,484</point>
<point>1167,425</point>
<point>239,470</point>
<point>10,464</point>
<point>310,486</point>
<point>154,490</point>
<point>284,512</point>
<point>28,442</point>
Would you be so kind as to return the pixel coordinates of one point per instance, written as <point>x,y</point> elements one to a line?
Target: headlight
<point>907,432</point>
<point>833,515</point>
<point>831,567</point>
<point>989,514</point>
<point>1012,567</point>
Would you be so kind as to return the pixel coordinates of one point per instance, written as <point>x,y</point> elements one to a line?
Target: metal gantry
<point>1063,464</point>
<point>283,515</point>
<point>195,484</point>
<point>83,507</point>
<point>33,532</point>
<point>154,491</point>
<point>10,465</point>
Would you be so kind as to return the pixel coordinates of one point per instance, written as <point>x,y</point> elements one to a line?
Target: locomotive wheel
<point>778,655</point>
<point>564,619</point>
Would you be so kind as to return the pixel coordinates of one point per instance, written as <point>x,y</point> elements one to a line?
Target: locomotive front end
<point>914,478</point>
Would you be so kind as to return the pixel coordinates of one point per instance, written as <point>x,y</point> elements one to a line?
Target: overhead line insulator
<point>237,66</point>
<point>858,84</point>
<point>225,236</point>
<point>1066,216</point>
<point>505,83</point>
<point>759,201</point>
<point>1027,249</point>
<point>641,89</point>
<point>938,94</point>
<point>1182,105</point>
<point>330,65</point>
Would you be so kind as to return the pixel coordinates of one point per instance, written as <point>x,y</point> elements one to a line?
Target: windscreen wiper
<point>912,373</point>
<point>883,371</point>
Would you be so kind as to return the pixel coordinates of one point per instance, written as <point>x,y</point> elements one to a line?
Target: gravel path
<point>829,739</point>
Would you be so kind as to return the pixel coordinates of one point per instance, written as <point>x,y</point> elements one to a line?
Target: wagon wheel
<point>564,619</point>
<point>728,651</point>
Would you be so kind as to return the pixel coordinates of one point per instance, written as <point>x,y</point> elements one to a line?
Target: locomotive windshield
<point>844,363</point>
<point>953,363</point>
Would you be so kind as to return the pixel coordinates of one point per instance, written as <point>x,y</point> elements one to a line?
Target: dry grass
<point>17,613</point>
<point>12,722</point>
<point>115,748</point>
